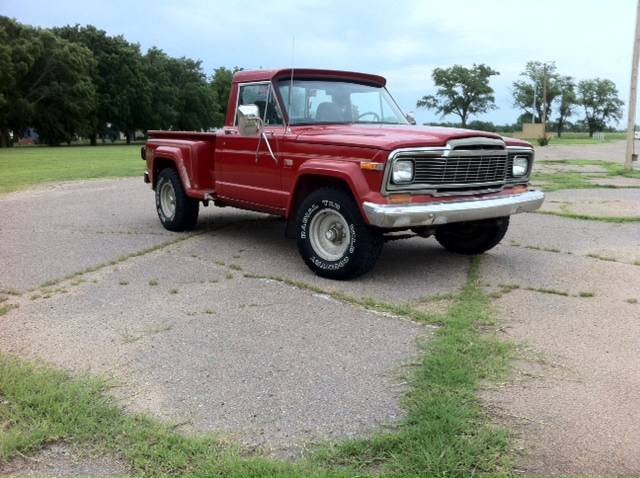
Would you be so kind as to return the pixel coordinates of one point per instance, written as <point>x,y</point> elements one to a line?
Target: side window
<point>262,96</point>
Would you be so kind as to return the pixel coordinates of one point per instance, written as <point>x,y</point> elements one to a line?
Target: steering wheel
<point>370,113</point>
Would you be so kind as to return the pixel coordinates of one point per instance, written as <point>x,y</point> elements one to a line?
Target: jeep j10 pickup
<point>331,152</point>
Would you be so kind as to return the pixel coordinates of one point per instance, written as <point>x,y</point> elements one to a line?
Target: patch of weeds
<point>220,263</point>
<point>535,248</point>
<point>587,294</point>
<point>124,282</point>
<point>636,262</point>
<point>50,283</point>
<point>128,337</point>
<point>602,258</point>
<point>4,309</point>
<point>156,329</point>
<point>544,290</point>
<point>235,267</point>
<point>229,275</point>
<point>632,301</point>
<point>209,311</point>
<point>173,291</point>
<point>585,217</point>
<point>503,289</point>
<point>153,282</point>
<point>559,180</point>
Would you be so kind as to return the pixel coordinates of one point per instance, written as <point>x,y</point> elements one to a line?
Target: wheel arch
<point>314,175</point>
<point>305,185</point>
<point>169,157</point>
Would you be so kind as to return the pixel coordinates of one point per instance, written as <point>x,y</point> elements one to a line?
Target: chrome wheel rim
<point>168,200</point>
<point>329,235</point>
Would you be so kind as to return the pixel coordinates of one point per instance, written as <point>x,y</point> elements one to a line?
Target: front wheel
<point>472,237</point>
<point>333,238</point>
<point>177,211</point>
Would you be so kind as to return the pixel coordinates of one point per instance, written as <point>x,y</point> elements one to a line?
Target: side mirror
<point>411,117</point>
<point>249,121</point>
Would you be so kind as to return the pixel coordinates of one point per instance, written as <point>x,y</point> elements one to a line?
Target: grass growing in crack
<point>445,432</point>
<point>602,258</point>
<point>4,309</point>
<point>544,290</point>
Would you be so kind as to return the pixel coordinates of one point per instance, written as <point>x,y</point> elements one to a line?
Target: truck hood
<point>390,137</point>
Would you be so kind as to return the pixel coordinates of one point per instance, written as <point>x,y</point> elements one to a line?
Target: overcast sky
<point>400,39</point>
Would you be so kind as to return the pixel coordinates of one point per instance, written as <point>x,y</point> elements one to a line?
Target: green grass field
<point>23,166</point>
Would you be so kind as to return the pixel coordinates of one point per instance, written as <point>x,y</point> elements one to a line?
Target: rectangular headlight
<point>402,171</point>
<point>520,165</point>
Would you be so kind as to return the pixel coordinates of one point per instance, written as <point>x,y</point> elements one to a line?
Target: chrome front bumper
<point>415,215</point>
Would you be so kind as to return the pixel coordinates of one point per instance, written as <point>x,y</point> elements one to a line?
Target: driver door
<point>247,171</point>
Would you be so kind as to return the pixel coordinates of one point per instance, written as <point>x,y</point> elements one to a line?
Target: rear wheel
<point>333,238</point>
<point>472,237</point>
<point>177,211</point>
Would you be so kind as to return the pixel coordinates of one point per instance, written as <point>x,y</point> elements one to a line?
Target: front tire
<point>333,238</point>
<point>472,237</point>
<point>177,211</point>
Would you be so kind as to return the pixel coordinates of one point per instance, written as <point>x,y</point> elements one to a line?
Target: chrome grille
<point>459,170</point>
<point>467,166</point>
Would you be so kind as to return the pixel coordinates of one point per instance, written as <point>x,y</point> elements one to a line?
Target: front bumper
<point>415,215</point>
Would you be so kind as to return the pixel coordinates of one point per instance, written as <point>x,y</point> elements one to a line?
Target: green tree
<point>195,99</point>
<point>163,109</point>
<point>461,91</point>
<point>529,95</point>
<point>123,89</point>
<point>566,101</point>
<point>601,104</point>
<point>7,78</point>
<point>19,51</point>
<point>63,100</point>
<point>221,86</point>
<point>46,84</point>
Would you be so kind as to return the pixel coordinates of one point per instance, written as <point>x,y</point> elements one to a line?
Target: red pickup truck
<point>332,153</point>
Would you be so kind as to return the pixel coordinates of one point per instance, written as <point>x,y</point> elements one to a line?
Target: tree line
<point>78,81</point>
<point>465,92</point>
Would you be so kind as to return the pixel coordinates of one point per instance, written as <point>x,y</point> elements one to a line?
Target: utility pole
<point>544,100</point>
<point>631,123</point>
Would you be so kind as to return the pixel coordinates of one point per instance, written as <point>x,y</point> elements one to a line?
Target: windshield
<point>337,102</point>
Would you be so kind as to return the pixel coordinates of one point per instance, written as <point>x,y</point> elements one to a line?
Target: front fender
<point>317,173</point>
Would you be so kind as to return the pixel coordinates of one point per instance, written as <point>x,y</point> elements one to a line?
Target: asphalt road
<point>188,326</point>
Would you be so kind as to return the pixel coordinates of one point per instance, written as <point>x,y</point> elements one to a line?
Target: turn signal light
<point>371,166</point>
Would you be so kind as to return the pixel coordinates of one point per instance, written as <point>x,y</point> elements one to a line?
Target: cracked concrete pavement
<point>193,334</point>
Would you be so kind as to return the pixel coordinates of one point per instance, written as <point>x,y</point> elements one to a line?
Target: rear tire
<point>177,211</point>
<point>472,237</point>
<point>333,238</point>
